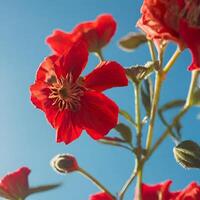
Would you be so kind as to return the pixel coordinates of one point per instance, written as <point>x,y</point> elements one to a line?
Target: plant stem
<point>194,79</point>
<point>138,114</point>
<point>99,55</point>
<point>172,60</point>
<point>186,107</point>
<point>151,50</point>
<point>158,83</point>
<point>128,182</point>
<point>95,181</point>
<point>139,138</point>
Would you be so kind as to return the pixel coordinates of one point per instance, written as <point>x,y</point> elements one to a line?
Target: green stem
<point>172,60</point>
<point>99,55</point>
<point>139,138</point>
<point>186,107</point>
<point>128,182</point>
<point>194,79</point>
<point>138,114</point>
<point>95,181</point>
<point>152,50</point>
<point>158,84</point>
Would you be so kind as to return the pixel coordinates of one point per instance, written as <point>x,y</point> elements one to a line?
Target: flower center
<point>66,94</point>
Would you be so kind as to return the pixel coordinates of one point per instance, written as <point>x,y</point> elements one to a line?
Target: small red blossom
<point>96,34</point>
<point>73,103</point>
<point>101,196</point>
<point>161,191</point>
<point>176,20</point>
<point>156,192</point>
<point>14,186</point>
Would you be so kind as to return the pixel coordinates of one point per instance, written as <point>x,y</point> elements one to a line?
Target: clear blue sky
<point>26,137</point>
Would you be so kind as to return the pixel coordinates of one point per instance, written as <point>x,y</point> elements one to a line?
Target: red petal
<point>60,41</point>
<point>191,192</point>
<point>105,76</point>
<point>98,114</point>
<point>106,27</point>
<point>39,94</point>
<point>153,192</point>
<point>96,33</point>
<point>73,61</point>
<point>68,127</point>
<point>46,69</point>
<point>191,38</point>
<point>16,183</point>
<point>101,196</point>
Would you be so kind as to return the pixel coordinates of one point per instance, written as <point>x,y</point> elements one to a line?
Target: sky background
<point>26,137</point>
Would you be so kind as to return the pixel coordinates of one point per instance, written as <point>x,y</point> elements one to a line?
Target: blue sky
<point>26,137</point>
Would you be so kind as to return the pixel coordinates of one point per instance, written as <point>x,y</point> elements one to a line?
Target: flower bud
<point>187,154</point>
<point>64,163</point>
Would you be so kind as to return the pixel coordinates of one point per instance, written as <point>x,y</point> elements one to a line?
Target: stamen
<point>66,94</point>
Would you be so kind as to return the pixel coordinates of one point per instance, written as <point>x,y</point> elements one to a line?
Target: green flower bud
<point>187,154</point>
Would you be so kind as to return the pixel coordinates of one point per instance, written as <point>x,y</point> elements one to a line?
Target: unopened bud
<point>64,163</point>
<point>187,154</point>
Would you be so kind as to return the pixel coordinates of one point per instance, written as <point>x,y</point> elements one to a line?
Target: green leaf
<point>118,142</point>
<point>125,132</point>
<point>43,188</point>
<point>127,116</point>
<point>132,41</point>
<point>172,104</point>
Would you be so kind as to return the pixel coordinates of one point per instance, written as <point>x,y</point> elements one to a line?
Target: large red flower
<point>176,20</point>
<point>101,196</point>
<point>14,186</point>
<point>161,191</point>
<point>73,103</point>
<point>96,34</point>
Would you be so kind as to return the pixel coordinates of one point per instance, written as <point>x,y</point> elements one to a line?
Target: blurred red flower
<point>14,186</point>
<point>73,103</point>
<point>176,20</point>
<point>161,191</point>
<point>101,196</point>
<point>96,34</point>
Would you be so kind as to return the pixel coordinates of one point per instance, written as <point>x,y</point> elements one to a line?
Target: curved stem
<point>99,55</point>
<point>194,79</point>
<point>95,181</point>
<point>172,60</point>
<point>128,182</point>
<point>186,107</point>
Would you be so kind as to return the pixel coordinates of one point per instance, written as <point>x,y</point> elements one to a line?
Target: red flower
<point>15,185</point>
<point>101,196</point>
<point>192,192</point>
<point>160,20</point>
<point>73,103</point>
<point>96,34</point>
<point>155,192</point>
<point>161,191</point>
<point>175,20</point>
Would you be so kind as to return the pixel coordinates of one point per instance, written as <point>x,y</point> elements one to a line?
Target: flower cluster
<point>73,103</point>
